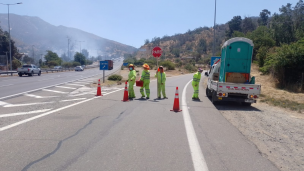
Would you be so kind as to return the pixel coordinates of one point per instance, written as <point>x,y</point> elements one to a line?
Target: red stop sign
<point>156,52</point>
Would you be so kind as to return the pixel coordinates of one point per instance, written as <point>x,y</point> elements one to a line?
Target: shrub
<point>76,64</point>
<point>168,64</point>
<point>190,67</point>
<point>115,77</point>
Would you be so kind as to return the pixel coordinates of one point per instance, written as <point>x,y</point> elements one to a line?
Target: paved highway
<point>16,85</point>
<point>71,129</point>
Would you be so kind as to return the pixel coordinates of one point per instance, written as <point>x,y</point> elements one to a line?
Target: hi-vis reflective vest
<point>196,78</point>
<point>161,77</point>
<point>145,76</point>
<point>132,76</point>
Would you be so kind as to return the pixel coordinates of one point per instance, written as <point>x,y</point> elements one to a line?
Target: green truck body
<point>236,57</point>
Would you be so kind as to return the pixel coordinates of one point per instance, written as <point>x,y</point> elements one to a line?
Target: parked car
<point>79,68</point>
<point>57,67</point>
<point>29,70</point>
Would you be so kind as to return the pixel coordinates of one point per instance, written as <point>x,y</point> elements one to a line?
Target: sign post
<point>157,52</point>
<point>104,65</point>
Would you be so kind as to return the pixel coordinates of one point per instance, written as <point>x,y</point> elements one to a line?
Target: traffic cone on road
<point>98,89</point>
<point>176,102</point>
<point>126,97</point>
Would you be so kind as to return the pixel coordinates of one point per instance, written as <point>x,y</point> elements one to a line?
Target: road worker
<point>161,76</point>
<point>145,77</point>
<point>195,83</point>
<point>131,80</point>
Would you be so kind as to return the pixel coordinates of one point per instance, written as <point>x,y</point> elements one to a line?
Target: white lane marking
<point>46,79</point>
<point>66,87</point>
<point>3,103</point>
<point>17,94</point>
<point>48,113</point>
<point>80,83</point>
<point>61,92</point>
<point>23,113</point>
<point>75,84</point>
<point>73,100</point>
<point>198,159</point>
<point>26,104</point>
<point>38,97</point>
<point>6,85</point>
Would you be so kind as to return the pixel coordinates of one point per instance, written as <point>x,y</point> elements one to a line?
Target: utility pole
<point>68,47</point>
<point>9,32</point>
<point>80,45</point>
<point>41,60</point>
<point>33,52</point>
<point>213,51</point>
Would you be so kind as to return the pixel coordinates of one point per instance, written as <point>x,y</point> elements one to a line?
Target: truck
<point>28,69</point>
<point>229,78</point>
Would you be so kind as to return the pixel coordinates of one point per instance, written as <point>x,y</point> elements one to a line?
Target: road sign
<point>104,65</point>
<point>157,52</point>
<point>214,59</point>
<point>125,64</point>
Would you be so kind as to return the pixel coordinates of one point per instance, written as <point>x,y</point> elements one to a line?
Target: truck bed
<point>254,89</point>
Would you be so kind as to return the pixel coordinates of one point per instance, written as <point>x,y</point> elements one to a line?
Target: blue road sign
<point>125,64</point>
<point>104,65</point>
<point>214,59</point>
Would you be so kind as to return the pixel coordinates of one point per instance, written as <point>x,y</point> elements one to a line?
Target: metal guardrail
<point>47,70</point>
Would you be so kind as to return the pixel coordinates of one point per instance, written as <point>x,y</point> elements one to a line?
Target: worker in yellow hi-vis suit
<point>145,77</point>
<point>161,75</point>
<point>195,84</point>
<point>131,80</point>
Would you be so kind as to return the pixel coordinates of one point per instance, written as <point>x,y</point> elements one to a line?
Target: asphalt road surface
<point>71,129</point>
<point>16,85</point>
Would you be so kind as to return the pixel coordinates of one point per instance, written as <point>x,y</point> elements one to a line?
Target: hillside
<point>27,31</point>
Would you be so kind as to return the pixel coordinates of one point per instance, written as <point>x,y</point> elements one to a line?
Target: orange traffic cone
<point>98,89</point>
<point>126,97</point>
<point>176,102</point>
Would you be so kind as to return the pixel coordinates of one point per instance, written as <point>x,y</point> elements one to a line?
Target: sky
<point>132,21</point>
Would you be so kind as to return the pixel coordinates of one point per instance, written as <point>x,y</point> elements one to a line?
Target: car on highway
<point>28,69</point>
<point>79,68</point>
<point>57,67</point>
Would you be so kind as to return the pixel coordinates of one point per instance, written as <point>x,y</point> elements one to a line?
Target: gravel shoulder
<point>277,133</point>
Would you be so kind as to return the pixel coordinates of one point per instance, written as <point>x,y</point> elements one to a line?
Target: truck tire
<point>39,73</point>
<point>31,74</point>
<point>246,104</point>
<point>20,75</point>
<point>214,98</point>
<point>208,92</point>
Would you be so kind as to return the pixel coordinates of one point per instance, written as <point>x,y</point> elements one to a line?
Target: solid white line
<point>3,103</point>
<point>6,85</point>
<point>198,159</point>
<point>75,84</point>
<point>66,87</point>
<point>23,113</point>
<point>48,113</point>
<point>17,94</point>
<point>26,104</point>
<point>38,97</point>
<point>73,100</point>
<point>61,92</point>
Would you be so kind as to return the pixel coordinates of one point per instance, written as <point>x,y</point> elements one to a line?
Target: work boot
<point>148,97</point>
<point>165,97</point>
<point>159,98</point>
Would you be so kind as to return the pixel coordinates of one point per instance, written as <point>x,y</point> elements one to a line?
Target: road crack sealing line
<point>58,145</point>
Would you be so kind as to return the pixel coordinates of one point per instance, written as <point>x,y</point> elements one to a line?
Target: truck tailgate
<point>254,89</point>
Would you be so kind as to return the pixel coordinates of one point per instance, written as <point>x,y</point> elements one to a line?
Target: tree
<point>51,58</point>
<point>147,41</point>
<point>248,25</point>
<point>202,46</point>
<point>85,53</point>
<point>78,57</point>
<point>235,24</point>
<point>264,15</point>
<point>28,60</point>
<point>298,15</point>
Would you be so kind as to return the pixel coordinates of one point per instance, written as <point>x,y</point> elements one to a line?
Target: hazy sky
<point>132,21</point>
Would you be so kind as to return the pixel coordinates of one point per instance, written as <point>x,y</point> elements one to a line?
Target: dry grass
<point>269,89</point>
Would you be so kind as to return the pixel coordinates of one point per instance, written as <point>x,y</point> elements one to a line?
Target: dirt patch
<point>269,90</point>
<point>277,133</point>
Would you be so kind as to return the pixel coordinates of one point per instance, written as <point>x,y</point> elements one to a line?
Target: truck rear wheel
<point>214,97</point>
<point>208,92</point>
<point>20,75</point>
